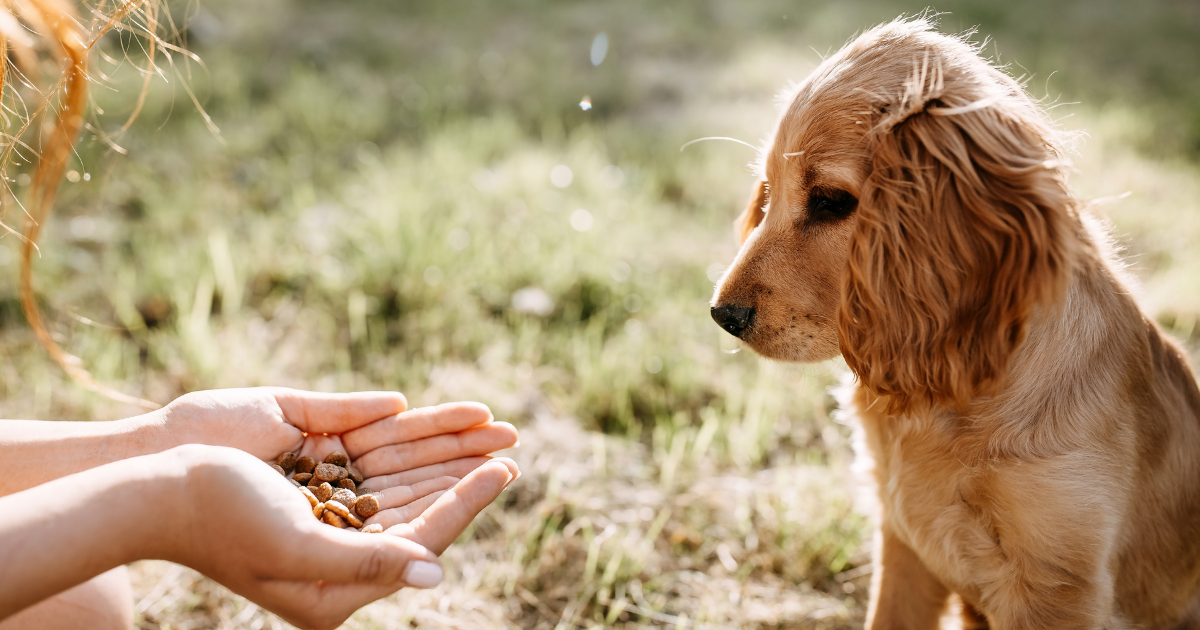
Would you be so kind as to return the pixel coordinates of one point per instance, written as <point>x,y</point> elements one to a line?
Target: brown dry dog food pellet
<point>330,472</point>
<point>347,483</point>
<point>337,458</point>
<point>343,508</point>
<point>366,505</point>
<point>302,478</point>
<point>287,461</point>
<point>333,519</point>
<point>344,496</point>
<point>312,498</point>
<point>354,474</point>
<point>305,464</point>
<point>279,469</point>
<point>344,512</point>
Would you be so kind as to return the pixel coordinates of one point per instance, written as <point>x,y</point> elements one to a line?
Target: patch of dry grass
<point>602,532</point>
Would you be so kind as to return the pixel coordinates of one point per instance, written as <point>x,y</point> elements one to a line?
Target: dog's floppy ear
<point>965,225</point>
<point>753,214</point>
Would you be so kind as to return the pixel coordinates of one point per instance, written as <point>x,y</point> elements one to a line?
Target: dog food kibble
<point>329,472</point>
<point>331,488</point>
<point>344,512</point>
<point>287,461</point>
<point>344,496</point>
<point>305,464</point>
<point>366,505</point>
<point>354,474</point>
<point>330,517</point>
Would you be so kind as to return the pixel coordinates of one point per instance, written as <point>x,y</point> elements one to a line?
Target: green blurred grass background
<point>387,205</point>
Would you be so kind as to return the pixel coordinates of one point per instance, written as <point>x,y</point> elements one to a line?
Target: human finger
<point>319,412</point>
<point>398,496</point>
<point>347,556</point>
<point>443,521</point>
<point>317,446</point>
<point>453,468</point>
<point>405,513</point>
<point>416,424</point>
<point>479,440</point>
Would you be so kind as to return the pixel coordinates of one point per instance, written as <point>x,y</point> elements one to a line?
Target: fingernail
<point>422,574</point>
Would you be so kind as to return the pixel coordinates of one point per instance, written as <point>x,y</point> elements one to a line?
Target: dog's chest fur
<point>986,524</point>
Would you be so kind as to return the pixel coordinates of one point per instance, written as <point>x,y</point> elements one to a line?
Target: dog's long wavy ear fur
<point>965,226</point>
<point>753,214</point>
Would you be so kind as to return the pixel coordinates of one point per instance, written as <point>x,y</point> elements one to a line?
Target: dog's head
<point>912,213</point>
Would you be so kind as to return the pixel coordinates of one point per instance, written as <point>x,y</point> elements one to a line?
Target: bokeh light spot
<point>599,49</point>
<point>654,365</point>
<point>532,301</point>
<point>561,176</point>
<point>433,275</point>
<point>612,176</point>
<point>458,239</point>
<point>581,220</point>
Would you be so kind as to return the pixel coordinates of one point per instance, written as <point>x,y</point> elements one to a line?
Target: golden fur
<point>1033,437</point>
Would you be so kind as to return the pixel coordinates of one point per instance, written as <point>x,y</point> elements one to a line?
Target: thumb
<point>350,557</point>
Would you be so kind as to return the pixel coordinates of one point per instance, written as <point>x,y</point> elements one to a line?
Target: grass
<point>379,211</point>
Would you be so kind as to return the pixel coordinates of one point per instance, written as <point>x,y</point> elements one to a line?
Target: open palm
<point>409,457</point>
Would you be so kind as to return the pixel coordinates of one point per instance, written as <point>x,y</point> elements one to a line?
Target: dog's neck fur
<point>1081,359</point>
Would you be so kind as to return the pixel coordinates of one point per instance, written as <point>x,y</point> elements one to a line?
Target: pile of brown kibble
<point>332,489</point>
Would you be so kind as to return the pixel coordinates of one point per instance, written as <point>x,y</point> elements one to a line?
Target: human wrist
<point>152,500</point>
<point>151,432</point>
<point>170,497</point>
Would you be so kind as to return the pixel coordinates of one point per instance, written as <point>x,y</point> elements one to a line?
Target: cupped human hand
<point>267,421</point>
<point>242,524</point>
<point>411,458</point>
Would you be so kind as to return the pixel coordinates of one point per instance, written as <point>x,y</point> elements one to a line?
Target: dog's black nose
<point>734,319</point>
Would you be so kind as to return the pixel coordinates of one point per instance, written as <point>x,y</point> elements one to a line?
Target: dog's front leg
<point>904,594</point>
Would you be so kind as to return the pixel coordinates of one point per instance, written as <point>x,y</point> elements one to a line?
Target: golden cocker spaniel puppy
<point>1033,436</point>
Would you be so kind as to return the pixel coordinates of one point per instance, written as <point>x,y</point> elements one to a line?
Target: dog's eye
<point>830,205</point>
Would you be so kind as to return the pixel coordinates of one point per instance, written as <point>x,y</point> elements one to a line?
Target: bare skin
<point>107,493</point>
<point>265,422</point>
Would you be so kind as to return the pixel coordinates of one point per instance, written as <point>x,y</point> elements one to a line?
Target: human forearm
<point>35,452</point>
<point>69,530</point>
